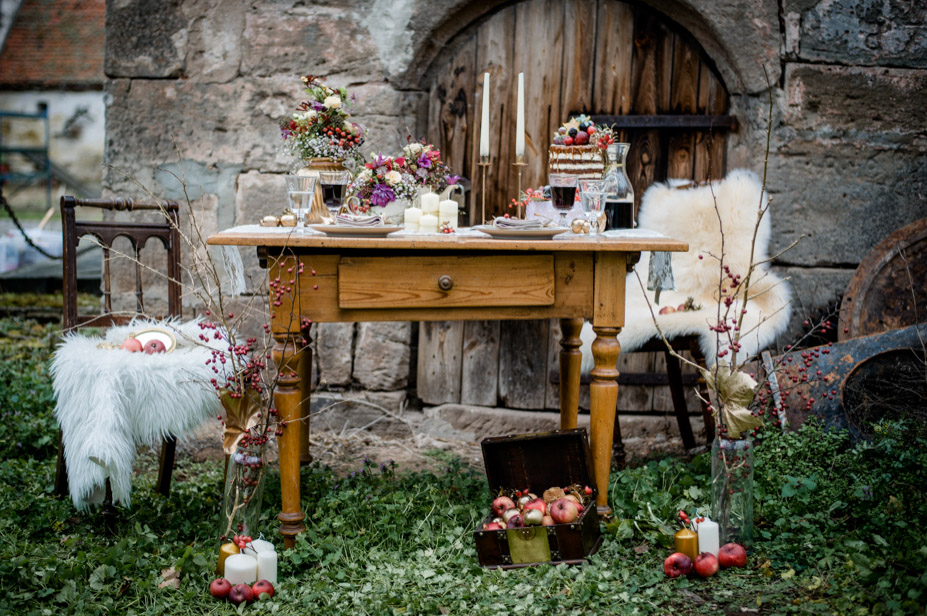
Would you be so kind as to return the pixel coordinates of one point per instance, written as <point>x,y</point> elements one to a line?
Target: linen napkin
<point>351,220</point>
<point>516,223</point>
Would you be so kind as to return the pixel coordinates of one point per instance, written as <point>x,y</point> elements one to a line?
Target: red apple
<point>132,345</point>
<point>501,504</point>
<point>508,514</point>
<point>492,526</point>
<point>681,308</point>
<point>536,503</point>
<point>580,508</point>
<point>677,564</point>
<point>263,586</point>
<point>563,511</point>
<point>241,593</point>
<point>732,555</point>
<point>220,588</point>
<point>548,521</point>
<point>154,346</point>
<point>667,310</point>
<point>515,521</point>
<point>706,565</point>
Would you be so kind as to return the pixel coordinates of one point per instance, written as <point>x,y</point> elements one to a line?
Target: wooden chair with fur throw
<point>689,213</point>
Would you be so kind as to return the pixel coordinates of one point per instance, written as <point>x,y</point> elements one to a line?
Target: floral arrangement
<point>321,128</point>
<point>382,181</point>
<point>423,162</point>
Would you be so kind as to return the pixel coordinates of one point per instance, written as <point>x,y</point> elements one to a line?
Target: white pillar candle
<point>241,569</point>
<point>447,213</point>
<point>520,118</point>
<point>428,224</point>
<point>267,567</point>
<point>430,203</point>
<point>257,546</point>
<point>708,539</point>
<point>412,216</point>
<point>484,121</point>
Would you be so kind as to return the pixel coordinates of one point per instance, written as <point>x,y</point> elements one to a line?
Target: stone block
<point>145,39</point>
<point>351,411</point>
<point>214,41</point>
<point>335,353</point>
<point>382,355</point>
<point>318,41</point>
<point>867,32</point>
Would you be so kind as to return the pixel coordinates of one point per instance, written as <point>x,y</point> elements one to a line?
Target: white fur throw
<point>689,215</point>
<point>110,401</point>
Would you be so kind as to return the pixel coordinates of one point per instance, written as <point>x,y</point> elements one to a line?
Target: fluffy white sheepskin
<point>110,401</point>
<point>689,215</point>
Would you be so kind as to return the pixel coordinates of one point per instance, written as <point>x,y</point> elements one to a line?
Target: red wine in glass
<point>563,197</point>
<point>333,195</point>
<point>619,214</point>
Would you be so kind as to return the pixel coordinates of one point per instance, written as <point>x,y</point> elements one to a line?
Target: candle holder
<point>484,164</point>
<point>519,165</point>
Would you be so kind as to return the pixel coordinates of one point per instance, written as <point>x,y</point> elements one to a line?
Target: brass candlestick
<point>484,164</point>
<point>519,165</point>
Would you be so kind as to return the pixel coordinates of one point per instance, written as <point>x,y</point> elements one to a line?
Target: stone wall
<point>207,80</point>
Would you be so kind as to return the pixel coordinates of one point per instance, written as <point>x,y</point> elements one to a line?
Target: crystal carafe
<point>619,194</point>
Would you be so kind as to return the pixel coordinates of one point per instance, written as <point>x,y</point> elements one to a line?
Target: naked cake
<point>578,149</point>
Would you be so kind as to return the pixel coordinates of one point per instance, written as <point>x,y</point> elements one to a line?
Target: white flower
<point>366,174</point>
<point>393,177</point>
<point>332,102</point>
<point>412,149</point>
<point>348,128</point>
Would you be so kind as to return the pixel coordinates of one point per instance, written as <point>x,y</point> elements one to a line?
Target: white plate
<point>544,233</point>
<point>345,231</point>
<point>156,333</point>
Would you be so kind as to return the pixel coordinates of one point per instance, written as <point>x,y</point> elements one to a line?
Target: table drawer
<point>446,281</point>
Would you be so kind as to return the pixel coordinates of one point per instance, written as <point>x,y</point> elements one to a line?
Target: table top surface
<point>625,240</point>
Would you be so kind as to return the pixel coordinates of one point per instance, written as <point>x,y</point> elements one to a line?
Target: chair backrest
<point>138,234</point>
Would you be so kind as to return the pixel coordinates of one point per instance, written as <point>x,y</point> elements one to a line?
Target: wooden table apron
<point>443,278</point>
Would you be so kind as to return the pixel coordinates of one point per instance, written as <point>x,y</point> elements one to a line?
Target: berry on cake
<point>578,148</point>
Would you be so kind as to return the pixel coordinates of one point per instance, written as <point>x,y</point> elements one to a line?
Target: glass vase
<point>244,492</point>
<point>732,489</point>
<point>619,194</point>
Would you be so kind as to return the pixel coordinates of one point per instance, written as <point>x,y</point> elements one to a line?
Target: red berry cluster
<point>339,136</point>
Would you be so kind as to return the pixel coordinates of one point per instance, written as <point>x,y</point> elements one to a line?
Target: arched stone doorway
<point>594,56</point>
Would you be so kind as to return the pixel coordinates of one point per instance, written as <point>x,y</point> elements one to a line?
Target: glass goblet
<point>300,191</point>
<point>562,193</point>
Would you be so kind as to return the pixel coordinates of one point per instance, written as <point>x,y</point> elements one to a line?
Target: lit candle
<point>484,121</point>
<point>708,537</point>
<point>428,223</point>
<point>686,542</point>
<point>430,203</point>
<point>241,569</point>
<point>520,118</point>
<point>447,213</point>
<point>412,216</point>
<point>225,551</point>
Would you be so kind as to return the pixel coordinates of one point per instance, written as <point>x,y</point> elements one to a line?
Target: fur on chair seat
<point>110,401</point>
<point>689,215</point>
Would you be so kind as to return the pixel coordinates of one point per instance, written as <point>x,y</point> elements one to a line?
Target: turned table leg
<point>603,394</point>
<point>287,397</point>
<point>305,389</point>
<point>571,359</point>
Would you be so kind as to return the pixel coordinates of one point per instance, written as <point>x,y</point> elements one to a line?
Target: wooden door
<point>601,57</point>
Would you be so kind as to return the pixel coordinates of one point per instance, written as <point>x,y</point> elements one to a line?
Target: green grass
<point>848,540</point>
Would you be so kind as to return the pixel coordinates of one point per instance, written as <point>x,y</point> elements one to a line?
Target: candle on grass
<point>484,120</point>
<point>520,118</point>
<point>267,566</point>
<point>225,551</point>
<point>412,216</point>
<point>428,223</point>
<point>241,569</point>
<point>708,536</point>
<point>447,213</point>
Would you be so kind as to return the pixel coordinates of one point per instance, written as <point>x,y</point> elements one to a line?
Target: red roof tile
<point>55,44</point>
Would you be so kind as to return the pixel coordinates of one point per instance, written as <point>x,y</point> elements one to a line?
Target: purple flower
<point>424,162</point>
<point>382,194</point>
<point>318,106</point>
<point>453,179</point>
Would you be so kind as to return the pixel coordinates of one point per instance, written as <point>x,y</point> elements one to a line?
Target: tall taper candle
<point>520,118</point>
<point>484,121</point>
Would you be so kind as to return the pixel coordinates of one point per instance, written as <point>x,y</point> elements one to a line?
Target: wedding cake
<point>575,151</point>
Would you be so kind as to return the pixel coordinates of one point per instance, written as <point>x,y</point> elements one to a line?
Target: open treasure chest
<point>549,473</point>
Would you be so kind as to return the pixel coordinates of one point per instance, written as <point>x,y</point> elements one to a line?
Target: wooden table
<point>442,278</point>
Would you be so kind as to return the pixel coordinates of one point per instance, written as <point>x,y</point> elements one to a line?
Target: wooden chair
<point>138,234</point>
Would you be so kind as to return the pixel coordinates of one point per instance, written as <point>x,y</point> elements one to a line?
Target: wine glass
<point>562,193</point>
<point>334,186</point>
<point>300,191</point>
<point>591,194</point>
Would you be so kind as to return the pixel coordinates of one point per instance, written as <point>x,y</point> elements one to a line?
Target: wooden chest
<point>538,461</point>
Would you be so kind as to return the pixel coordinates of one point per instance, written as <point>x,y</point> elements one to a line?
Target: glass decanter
<point>619,194</point>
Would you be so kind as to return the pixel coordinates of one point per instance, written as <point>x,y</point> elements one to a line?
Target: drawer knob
<point>445,283</point>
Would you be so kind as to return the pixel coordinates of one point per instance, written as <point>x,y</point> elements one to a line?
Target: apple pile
<point>706,564</point>
<point>240,593</point>
<point>134,345</point>
<point>524,508</point>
